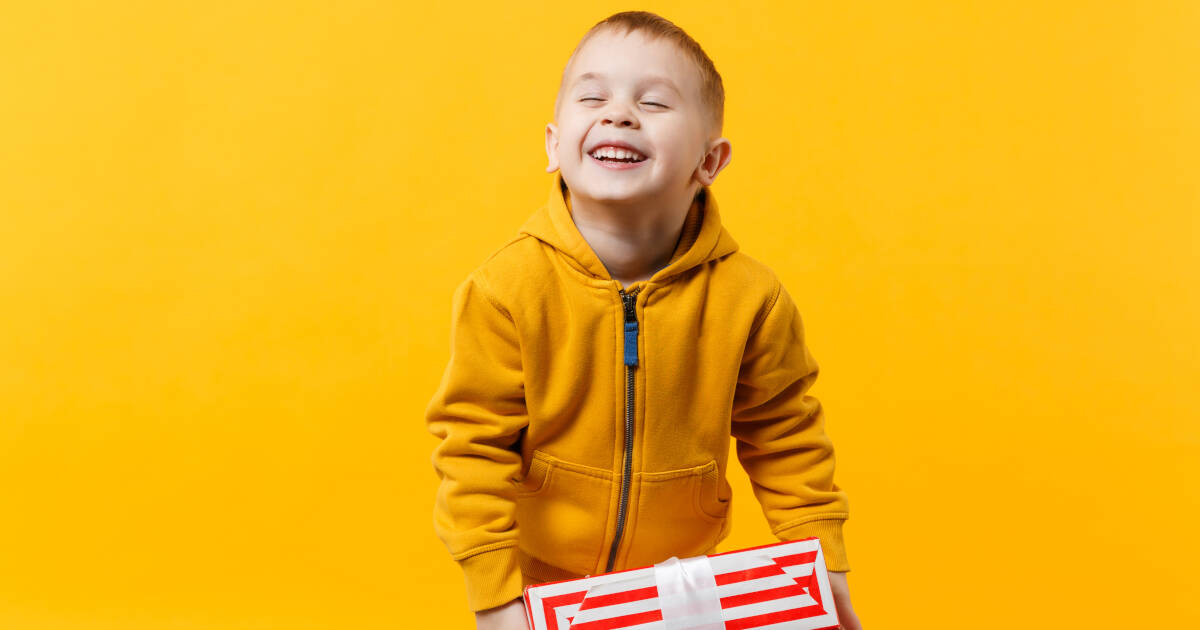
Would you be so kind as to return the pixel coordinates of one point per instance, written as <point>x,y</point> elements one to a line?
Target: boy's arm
<point>479,412</point>
<point>780,431</point>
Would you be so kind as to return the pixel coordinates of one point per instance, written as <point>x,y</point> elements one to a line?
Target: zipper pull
<point>631,328</point>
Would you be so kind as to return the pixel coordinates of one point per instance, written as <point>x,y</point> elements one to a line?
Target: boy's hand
<point>510,616</point>
<point>841,598</point>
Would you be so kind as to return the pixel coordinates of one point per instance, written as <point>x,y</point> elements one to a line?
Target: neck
<point>633,241</point>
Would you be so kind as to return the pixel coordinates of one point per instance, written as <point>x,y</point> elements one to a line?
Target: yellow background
<point>230,235</point>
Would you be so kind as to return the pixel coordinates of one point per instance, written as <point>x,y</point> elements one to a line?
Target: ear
<point>720,151</point>
<point>551,148</point>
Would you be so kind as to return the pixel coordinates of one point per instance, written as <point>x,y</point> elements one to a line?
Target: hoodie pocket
<point>535,479</point>
<point>679,513</point>
<point>709,499</point>
<point>561,507</point>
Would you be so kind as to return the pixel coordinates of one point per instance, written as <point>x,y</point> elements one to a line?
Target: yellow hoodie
<point>585,426</point>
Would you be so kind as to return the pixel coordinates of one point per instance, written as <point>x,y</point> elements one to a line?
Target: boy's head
<point>637,79</point>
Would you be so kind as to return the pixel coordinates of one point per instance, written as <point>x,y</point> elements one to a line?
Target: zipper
<point>629,300</point>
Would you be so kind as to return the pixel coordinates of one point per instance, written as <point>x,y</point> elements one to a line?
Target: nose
<point>620,115</point>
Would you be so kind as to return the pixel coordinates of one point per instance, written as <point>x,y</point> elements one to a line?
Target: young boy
<point>603,357</point>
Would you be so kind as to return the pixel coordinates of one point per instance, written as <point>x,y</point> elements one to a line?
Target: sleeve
<point>479,413</point>
<point>780,432</point>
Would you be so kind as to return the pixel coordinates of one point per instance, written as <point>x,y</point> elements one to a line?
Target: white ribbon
<point>687,594</point>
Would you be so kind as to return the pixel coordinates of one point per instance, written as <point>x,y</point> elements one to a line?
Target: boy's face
<point>612,92</point>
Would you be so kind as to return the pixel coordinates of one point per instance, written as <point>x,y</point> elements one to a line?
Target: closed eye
<point>593,98</point>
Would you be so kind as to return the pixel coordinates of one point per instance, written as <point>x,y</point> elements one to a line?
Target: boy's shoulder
<point>750,271</point>
<point>499,271</point>
<point>758,282</point>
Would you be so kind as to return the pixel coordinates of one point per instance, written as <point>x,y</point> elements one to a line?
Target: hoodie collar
<point>703,238</point>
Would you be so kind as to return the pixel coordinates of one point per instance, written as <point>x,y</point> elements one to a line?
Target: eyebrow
<point>650,79</point>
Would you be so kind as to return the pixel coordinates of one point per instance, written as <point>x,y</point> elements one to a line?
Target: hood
<point>703,237</point>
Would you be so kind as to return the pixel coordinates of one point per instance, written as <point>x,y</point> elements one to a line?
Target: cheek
<point>572,136</point>
<point>676,143</point>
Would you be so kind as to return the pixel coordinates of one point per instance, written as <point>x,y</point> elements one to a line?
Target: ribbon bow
<point>687,594</point>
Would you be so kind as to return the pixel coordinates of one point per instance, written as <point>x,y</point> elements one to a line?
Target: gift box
<point>781,586</point>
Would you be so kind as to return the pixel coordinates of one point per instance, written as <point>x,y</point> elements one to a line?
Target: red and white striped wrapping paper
<point>781,586</point>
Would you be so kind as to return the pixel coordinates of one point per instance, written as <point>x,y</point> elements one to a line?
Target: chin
<point>607,192</point>
<point>601,187</point>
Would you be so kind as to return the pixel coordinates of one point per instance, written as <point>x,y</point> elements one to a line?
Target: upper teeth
<point>621,154</point>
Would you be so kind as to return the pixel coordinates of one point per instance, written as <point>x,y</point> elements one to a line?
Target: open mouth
<point>613,157</point>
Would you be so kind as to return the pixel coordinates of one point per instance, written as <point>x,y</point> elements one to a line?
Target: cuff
<point>493,578</point>
<point>830,532</point>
